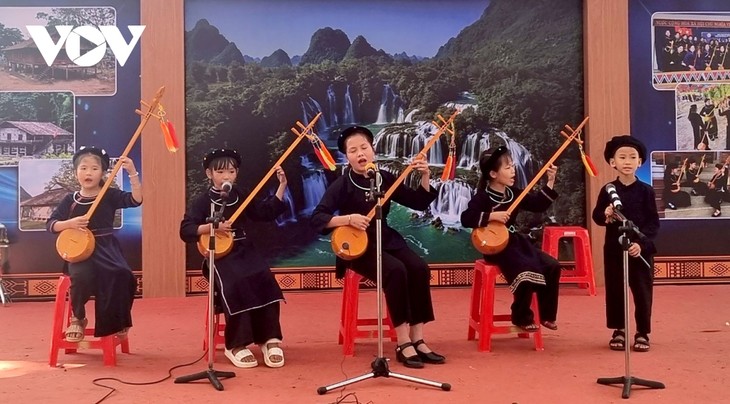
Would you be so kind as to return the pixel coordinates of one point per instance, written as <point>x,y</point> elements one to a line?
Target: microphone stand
<point>627,228</point>
<point>631,229</point>
<point>211,374</point>
<point>380,364</point>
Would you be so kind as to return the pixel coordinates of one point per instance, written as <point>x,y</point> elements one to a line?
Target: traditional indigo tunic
<point>106,274</point>
<point>520,261</point>
<point>243,276</point>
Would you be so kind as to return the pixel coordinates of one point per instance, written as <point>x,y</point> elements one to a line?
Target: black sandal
<point>641,343</point>
<point>414,361</point>
<point>618,341</point>
<point>550,325</point>
<point>428,357</point>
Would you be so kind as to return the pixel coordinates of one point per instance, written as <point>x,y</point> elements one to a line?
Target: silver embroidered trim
<point>349,174</point>
<point>527,276</point>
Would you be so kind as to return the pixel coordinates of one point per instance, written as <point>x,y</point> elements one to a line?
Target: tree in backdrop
<point>54,107</point>
<point>9,36</point>
<point>78,16</point>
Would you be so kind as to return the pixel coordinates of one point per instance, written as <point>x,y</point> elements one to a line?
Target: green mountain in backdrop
<point>205,43</point>
<point>277,59</point>
<point>520,32</point>
<point>326,44</point>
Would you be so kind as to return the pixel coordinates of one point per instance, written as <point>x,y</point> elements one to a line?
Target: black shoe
<point>414,361</point>
<point>428,357</point>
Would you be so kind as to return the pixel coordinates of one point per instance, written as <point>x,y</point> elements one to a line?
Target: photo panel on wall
<point>690,184</point>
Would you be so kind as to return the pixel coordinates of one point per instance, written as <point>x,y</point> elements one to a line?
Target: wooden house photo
<point>20,139</point>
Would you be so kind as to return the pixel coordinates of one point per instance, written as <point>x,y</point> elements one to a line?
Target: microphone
<point>226,188</point>
<point>613,196</point>
<point>371,170</point>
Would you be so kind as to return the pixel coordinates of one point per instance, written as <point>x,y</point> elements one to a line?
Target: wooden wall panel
<point>163,64</point>
<point>606,61</point>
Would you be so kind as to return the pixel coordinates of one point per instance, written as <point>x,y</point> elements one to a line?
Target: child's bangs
<point>222,163</point>
<point>77,162</point>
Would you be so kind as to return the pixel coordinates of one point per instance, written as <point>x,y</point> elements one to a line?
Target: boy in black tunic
<point>406,276</point>
<point>105,274</point>
<point>625,154</point>
<point>525,267</point>
<point>245,287</point>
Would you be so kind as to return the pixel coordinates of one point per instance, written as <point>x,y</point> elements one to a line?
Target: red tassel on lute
<point>446,175</point>
<point>168,131</point>
<point>590,167</point>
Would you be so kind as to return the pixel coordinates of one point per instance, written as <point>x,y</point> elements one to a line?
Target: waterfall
<point>349,114</point>
<point>453,198</point>
<point>289,216</point>
<point>332,105</point>
<point>409,117</point>
<point>310,108</point>
<point>477,142</point>
<point>472,148</point>
<point>383,111</point>
<point>313,184</point>
<point>424,131</point>
<point>406,142</point>
<point>391,107</point>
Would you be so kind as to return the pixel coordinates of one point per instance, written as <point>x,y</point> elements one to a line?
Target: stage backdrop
<point>46,113</point>
<point>513,69</point>
<point>679,67</point>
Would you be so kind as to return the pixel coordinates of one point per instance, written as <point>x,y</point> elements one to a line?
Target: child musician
<point>672,195</point>
<point>693,178</point>
<point>526,268</point>
<point>717,189</point>
<point>406,276</point>
<point>625,154</point>
<point>247,290</point>
<point>105,274</point>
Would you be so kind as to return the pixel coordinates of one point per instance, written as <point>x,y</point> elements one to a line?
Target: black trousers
<point>547,297</point>
<point>714,198</point>
<point>253,327</point>
<point>113,289</point>
<point>641,280</point>
<point>406,283</point>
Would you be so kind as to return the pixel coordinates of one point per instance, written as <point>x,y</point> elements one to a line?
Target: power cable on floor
<point>112,389</point>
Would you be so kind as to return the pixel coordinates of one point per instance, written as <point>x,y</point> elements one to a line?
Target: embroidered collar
<point>83,200</point>
<point>366,189</point>
<point>501,198</point>
<point>215,197</point>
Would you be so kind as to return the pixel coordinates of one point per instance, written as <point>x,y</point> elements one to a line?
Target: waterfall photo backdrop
<point>513,69</point>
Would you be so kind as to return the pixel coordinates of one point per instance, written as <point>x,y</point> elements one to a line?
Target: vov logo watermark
<point>100,36</point>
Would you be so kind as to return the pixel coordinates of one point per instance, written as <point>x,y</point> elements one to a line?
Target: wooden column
<point>163,173</point>
<point>606,61</point>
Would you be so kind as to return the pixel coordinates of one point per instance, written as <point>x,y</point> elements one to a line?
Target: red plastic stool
<point>482,319</point>
<point>219,333</point>
<point>351,326</point>
<point>62,314</point>
<point>583,272</point>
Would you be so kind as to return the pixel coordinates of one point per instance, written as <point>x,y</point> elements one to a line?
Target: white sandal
<point>269,352</point>
<point>237,359</point>
<point>76,330</point>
